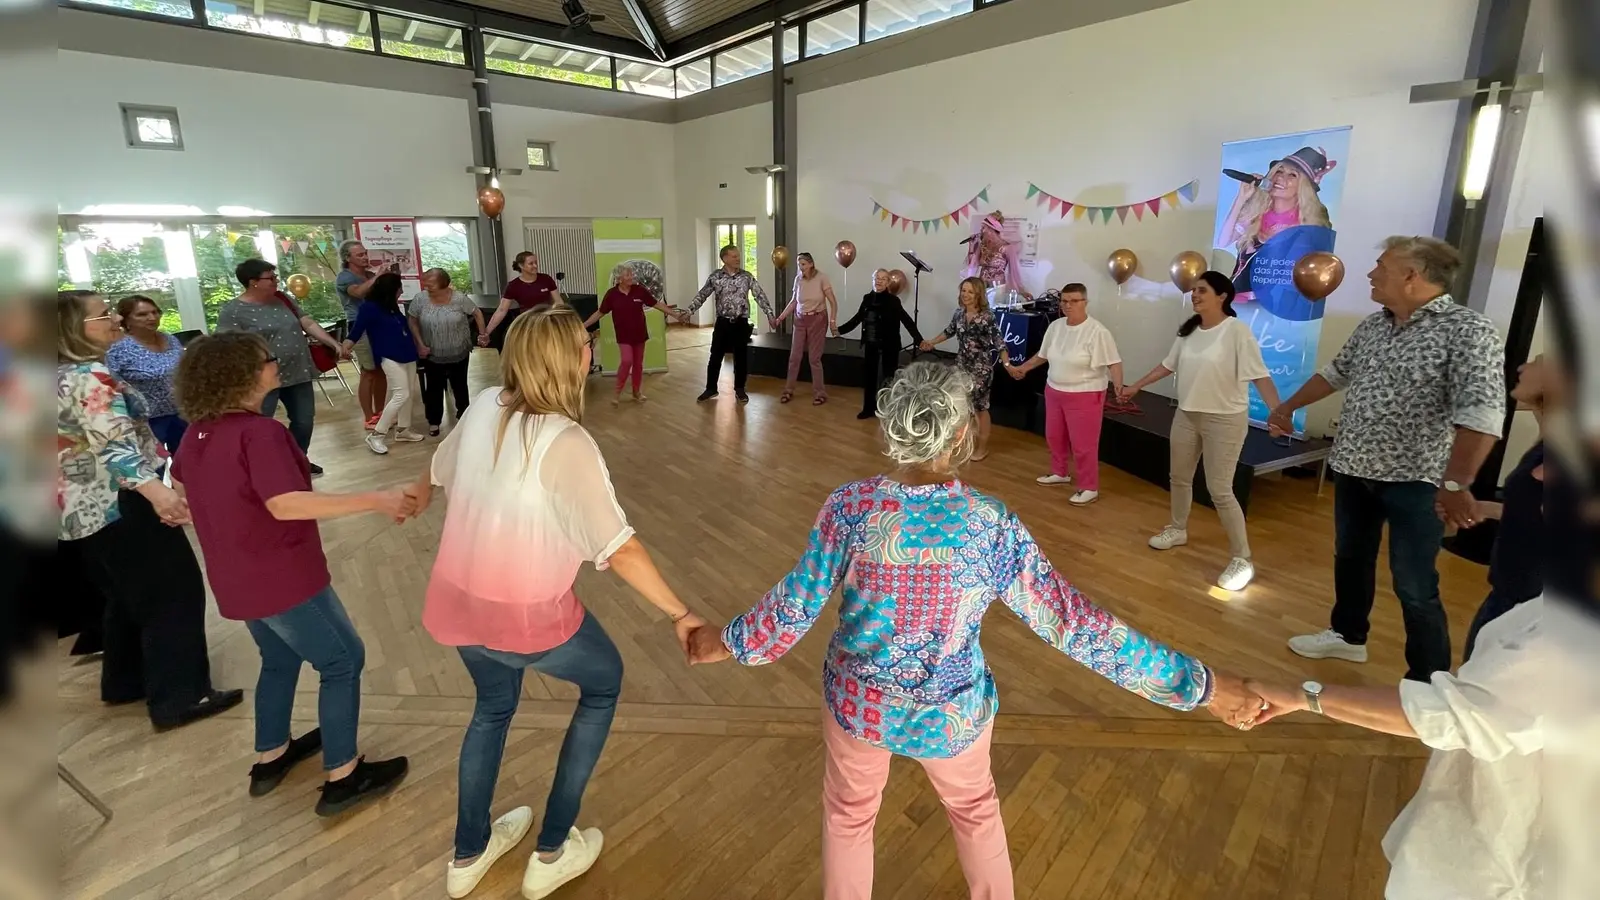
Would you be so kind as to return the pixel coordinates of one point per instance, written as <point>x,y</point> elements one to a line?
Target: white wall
<point>281,146</point>
<point>712,152</point>
<point>1126,109</point>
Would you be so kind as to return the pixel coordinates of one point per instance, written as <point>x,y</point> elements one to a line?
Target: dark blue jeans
<point>1360,509</point>
<point>300,402</point>
<point>318,632</point>
<point>589,660</point>
<point>169,431</point>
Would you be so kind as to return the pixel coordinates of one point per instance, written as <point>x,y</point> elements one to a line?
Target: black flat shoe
<point>743,397</point>
<point>315,470</point>
<point>367,781</point>
<point>266,776</point>
<point>709,393</point>
<point>863,416</point>
<point>204,708</point>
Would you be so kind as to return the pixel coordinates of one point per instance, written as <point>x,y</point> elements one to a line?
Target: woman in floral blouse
<point>921,556</point>
<point>978,338</point>
<point>122,527</point>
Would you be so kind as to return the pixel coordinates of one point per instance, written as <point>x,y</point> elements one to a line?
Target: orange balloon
<point>897,281</point>
<point>1121,264</point>
<point>491,200</point>
<point>1318,274</point>
<point>1187,267</point>
<point>844,253</point>
<point>780,257</point>
<point>299,285</point>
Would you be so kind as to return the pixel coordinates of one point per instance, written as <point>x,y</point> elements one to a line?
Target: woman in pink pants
<point>920,556</point>
<point>816,316</point>
<point>626,304</point>
<point>1083,360</point>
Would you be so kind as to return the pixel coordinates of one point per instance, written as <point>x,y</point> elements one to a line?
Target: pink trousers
<point>632,365</point>
<point>852,789</point>
<point>1072,421</point>
<point>810,333</point>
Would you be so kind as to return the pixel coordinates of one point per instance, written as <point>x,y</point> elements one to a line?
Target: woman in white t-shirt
<point>1216,357</point>
<point>1082,360</point>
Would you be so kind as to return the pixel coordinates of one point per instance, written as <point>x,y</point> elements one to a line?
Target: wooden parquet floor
<point>709,787</point>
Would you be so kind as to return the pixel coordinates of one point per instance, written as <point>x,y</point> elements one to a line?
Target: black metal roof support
<point>780,157</point>
<point>506,23</point>
<point>765,14</point>
<point>491,244</point>
<point>648,30</point>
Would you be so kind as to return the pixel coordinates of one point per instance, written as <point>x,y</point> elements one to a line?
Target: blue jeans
<point>169,430</point>
<point>589,660</point>
<point>318,632</point>
<point>1360,508</point>
<point>300,402</point>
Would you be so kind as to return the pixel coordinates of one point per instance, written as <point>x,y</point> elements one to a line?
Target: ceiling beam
<point>313,12</point>
<point>494,44</point>
<point>411,30</point>
<point>520,27</point>
<point>649,34</point>
<point>737,25</point>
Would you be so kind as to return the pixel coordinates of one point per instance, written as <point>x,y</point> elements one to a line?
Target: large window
<point>741,62</point>
<point>743,236</point>
<point>644,78</point>
<point>517,56</point>
<point>310,21</point>
<point>421,40</point>
<point>886,17</point>
<point>791,45</point>
<point>447,245</point>
<point>124,258</point>
<point>177,9</point>
<point>694,77</point>
<point>833,32</point>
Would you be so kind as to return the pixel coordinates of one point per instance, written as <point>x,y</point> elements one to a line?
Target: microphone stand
<point>916,307</point>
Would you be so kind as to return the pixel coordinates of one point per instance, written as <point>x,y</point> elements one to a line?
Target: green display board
<point>635,243</point>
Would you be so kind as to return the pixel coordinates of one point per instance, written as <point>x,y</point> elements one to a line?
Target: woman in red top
<point>626,303</point>
<point>531,289</point>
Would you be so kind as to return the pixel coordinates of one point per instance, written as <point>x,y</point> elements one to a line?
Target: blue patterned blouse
<point>920,566</point>
<point>148,371</point>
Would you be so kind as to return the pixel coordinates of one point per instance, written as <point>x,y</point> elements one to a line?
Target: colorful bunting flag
<point>1057,206</point>
<point>938,223</point>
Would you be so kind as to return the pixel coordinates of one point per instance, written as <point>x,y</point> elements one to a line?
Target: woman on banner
<point>1275,220</point>
<point>993,259</point>
<point>978,339</point>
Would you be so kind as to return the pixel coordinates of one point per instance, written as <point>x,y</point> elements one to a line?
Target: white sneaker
<point>375,443</point>
<point>1328,645</point>
<point>1054,479</point>
<point>579,852</point>
<point>1170,536</point>
<point>506,832</point>
<point>1237,574</point>
<point>409,437</point>
<point>1084,498</point>
<point>640,398</point>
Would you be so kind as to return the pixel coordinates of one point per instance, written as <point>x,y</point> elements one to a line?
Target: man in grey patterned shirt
<point>1425,401</point>
<point>732,286</point>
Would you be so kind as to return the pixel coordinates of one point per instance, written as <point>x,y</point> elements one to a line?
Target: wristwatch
<point>1454,487</point>
<point>1313,691</point>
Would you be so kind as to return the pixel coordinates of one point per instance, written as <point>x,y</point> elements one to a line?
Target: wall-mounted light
<point>1480,148</point>
<point>770,198</point>
<point>772,183</point>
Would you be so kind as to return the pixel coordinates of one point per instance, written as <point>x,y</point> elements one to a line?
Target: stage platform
<point>1134,443</point>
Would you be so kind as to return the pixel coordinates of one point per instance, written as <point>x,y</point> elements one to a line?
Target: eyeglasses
<point>269,360</point>
<point>270,276</point>
<point>104,318</point>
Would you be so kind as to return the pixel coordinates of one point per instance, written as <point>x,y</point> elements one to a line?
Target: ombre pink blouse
<point>518,528</point>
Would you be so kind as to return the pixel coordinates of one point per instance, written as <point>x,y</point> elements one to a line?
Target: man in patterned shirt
<point>732,286</point>
<point>1425,401</point>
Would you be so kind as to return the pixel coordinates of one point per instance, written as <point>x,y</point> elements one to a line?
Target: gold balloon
<point>1187,268</point>
<point>1121,264</point>
<point>299,285</point>
<point>780,257</point>
<point>1318,274</point>
<point>844,253</point>
<point>491,200</point>
<point>897,281</point>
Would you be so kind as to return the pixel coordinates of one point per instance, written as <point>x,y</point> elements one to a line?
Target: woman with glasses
<point>1083,360</point>
<point>121,527</point>
<point>256,516</point>
<point>263,310</point>
<point>146,358</point>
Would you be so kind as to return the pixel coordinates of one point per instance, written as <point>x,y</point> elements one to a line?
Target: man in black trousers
<point>880,316</point>
<point>732,286</point>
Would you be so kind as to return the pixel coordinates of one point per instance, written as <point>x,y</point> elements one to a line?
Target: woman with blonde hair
<point>921,557</point>
<point>1288,196</point>
<point>121,526</point>
<point>978,339</point>
<point>531,501</point>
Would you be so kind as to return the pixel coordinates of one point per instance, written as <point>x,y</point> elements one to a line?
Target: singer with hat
<point>1270,205</point>
<point>993,259</point>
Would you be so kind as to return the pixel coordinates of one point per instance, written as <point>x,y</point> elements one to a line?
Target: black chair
<point>187,337</point>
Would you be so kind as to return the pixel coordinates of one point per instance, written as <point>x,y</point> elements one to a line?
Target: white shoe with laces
<point>376,444</point>
<point>1054,479</point>
<point>1328,645</point>
<point>408,437</point>
<point>1170,536</point>
<point>1084,498</point>
<point>1237,575</point>
<point>579,852</point>
<point>506,832</point>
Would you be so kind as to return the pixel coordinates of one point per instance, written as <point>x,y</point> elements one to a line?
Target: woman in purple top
<point>146,358</point>
<point>921,556</point>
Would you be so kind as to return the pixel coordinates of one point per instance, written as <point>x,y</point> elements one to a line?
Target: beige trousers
<point>1218,437</point>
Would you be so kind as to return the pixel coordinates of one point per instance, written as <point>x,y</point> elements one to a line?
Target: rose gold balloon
<point>897,281</point>
<point>845,253</point>
<point>491,200</point>
<point>1318,274</point>
<point>780,257</point>
<point>299,285</point>
<point>1121,264</point>
<point>1186,270</point>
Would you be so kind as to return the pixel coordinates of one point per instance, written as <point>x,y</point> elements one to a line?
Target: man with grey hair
<point>1425,400</point>
<point>352,285</point>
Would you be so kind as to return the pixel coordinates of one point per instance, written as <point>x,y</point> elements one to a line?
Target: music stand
<point>917,268</point>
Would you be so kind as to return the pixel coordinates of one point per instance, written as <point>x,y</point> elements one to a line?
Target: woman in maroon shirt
<point>625,303</point>
<point>530,289</point>
<point>249,491</point>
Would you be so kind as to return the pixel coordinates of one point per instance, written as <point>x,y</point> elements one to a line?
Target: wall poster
<point>393,242</point>
<point>635,244</point>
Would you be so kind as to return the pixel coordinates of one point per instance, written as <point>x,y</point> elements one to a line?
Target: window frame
<point>549,148</point>
<point>132,112</point>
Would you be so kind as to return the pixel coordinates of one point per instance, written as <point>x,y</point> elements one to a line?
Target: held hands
<point>1127,393</point>
<point>925,346</point>
<point>1456,508</point>
<point>705,646</point>
<point>1234,702</point>
<point>423,350</point>
<point>1280,700</point>
<point>1015,372</point>
<point>171,507</point>
<point>483,339</point>
<point>1280,422</point>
